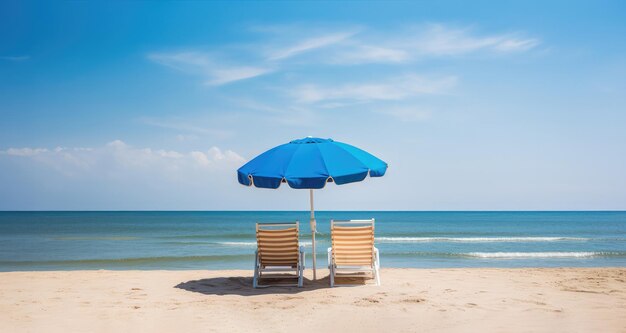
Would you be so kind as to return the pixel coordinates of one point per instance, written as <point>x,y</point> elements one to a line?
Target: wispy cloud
<point>439,39</point>
<point>424,41</point>
<point>400,45</point>
<point>514,45</point>
<point>15,58</point>
<point>405,113</point>
<point>289,114</point>
<point>396,88</point>
<point>186,126</point>
<point>227,75</point>
<point>362,54</point>
<point>204,65</point>
<point>309,44</point>
<point>24,151</point>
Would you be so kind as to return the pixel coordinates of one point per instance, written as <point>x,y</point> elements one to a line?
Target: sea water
<point>226,240</point>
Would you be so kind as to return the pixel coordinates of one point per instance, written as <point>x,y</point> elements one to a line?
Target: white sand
<point>410,300</point>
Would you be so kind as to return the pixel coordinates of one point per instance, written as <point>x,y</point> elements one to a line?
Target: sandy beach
<point>409,300</point>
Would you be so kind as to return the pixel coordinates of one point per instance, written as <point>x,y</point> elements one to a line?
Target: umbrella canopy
<point>310,163</point>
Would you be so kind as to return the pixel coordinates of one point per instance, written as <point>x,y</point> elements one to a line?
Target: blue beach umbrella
<point>310,163</point>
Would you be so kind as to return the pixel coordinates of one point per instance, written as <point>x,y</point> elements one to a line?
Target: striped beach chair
<point>279,254</point>
<point>353,253</point>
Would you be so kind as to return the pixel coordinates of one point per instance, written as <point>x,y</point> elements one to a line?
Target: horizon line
<point>307,211</point>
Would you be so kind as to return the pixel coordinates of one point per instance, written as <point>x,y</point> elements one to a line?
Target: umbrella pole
<point>313,230</point>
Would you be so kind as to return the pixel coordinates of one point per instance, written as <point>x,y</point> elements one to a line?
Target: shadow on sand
<point>242,286</point>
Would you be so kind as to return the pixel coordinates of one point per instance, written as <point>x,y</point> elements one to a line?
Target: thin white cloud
<point>186,137</point>
<point>515,45</point>
<point>291,115</point>
<point>24,151</point>
<point>406,114</point>
<point>310,44</point>
<point>187,127</point>
<point>227,75</point>
<point>202,64</point>
<point>362,54</point>
<point>442,40</point>
<point>397,88</point>
<point>15,58</point>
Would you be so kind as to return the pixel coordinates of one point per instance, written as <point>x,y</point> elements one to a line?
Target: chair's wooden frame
<point>278,253</point>
<point>353,253</point>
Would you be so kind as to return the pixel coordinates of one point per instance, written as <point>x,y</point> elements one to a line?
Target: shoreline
<point>308,268</point>
<point>409,299</point>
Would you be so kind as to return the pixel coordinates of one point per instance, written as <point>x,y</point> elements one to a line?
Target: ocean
<point>226,240</point>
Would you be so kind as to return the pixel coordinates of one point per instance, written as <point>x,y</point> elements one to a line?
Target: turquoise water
<point>225,240</point>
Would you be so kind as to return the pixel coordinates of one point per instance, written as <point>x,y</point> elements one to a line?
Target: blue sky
<point>475,106</point>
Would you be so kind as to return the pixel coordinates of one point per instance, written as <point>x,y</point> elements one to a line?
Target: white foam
<point>237,243</point>
<point>246,244</point>
<point>533,254</point>
<point>475,239</point>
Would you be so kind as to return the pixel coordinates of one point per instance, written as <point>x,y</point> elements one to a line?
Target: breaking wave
<point>477,239</point>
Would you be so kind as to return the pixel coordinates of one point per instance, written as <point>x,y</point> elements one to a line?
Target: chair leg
<point>377,266</point>
<point>377,276</point>
<point>255,282</point>
<point>330,268</point>
<point>301,268</point>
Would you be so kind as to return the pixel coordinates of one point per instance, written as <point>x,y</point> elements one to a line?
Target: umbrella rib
<point>324,162</point>
<point>287,165</point>
<point>356,158</point>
